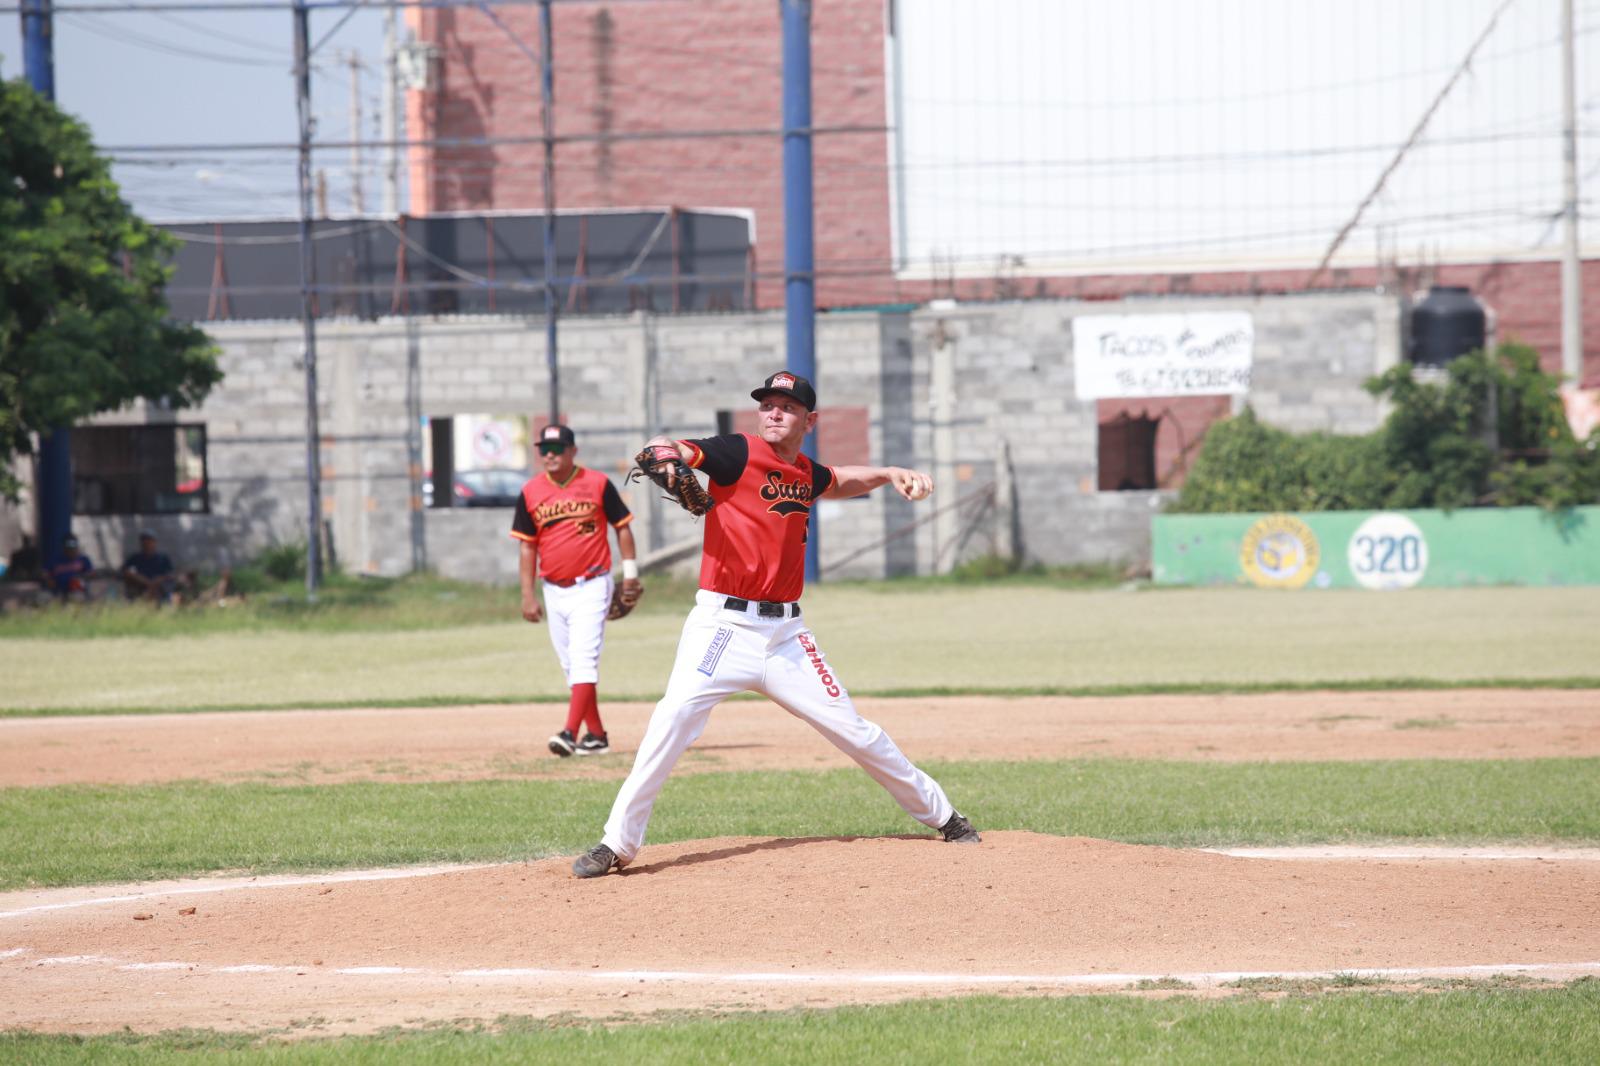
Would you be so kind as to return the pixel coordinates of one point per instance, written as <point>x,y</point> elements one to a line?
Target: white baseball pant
<point>723,652</point>
<point>577,619</point>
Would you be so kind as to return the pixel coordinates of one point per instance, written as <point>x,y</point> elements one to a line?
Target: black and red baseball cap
<point>557,434</point>
<point>791,385</point>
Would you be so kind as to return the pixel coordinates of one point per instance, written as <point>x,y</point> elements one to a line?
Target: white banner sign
<point>1163,355</point>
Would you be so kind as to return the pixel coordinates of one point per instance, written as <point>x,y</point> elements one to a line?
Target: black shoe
<point>596,862</point>
<point>593,745</point>
<point>562,744</point>
<point>959,831</point>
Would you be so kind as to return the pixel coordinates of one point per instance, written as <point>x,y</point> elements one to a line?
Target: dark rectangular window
<point>1128,453</point>
<point>127,470</point>
<point>476,460</point>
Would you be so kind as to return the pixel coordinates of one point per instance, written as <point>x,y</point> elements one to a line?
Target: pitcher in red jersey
<point>561,519</point>
<point>745,633</point>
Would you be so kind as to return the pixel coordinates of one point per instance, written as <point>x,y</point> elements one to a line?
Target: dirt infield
<point>460,743</point>
<point>819,921</point>
<point>751,924</point>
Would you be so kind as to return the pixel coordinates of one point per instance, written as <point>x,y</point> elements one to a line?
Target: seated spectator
<point>149,575</point>
<point>68,575</point>
<point>24,562</point>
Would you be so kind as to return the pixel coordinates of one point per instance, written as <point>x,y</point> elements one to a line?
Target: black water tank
<point>1448,323</point>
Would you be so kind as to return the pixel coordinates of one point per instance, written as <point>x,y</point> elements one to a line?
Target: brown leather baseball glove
<point>624,598</point>
<point>663,465</point>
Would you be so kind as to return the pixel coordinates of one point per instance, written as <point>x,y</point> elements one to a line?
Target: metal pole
<point>799,287</point>
<point>38,46</point>
<point>53,484</point>
<point>1571,264</point>
<point>391,115</point>
<point>358,202</point>
<point>547,108</point>
<point>302,79</point>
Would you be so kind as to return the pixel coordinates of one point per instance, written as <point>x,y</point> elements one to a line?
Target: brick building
<point>715,65</point>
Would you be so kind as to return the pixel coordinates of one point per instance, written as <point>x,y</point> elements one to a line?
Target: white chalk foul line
<point>890,979</point>
<point>1355,852</point>
<point>1380,853</point>
<point>200,888</point>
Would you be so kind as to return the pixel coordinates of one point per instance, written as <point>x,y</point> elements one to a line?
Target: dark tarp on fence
<point>607,262</point>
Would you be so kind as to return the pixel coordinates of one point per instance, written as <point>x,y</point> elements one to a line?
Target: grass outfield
<point>79,835</point>
<point>1477,1023</point>
<point>885,638</point>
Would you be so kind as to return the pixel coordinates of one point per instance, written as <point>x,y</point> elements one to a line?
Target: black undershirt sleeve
<point>612,504</point>
<point>521,520</point>
<point>723,458</point>
<point>821,479</point>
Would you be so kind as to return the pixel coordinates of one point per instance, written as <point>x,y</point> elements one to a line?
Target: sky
<point>159,78</point>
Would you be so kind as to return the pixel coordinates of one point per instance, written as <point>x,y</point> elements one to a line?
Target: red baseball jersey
<point>567,523</point>
<point>755,541</point>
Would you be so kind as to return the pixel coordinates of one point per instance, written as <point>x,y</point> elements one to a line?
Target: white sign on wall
<point>1204,354</point>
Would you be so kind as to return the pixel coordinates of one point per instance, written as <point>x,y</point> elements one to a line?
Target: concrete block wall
<point>1013,380</point>
<point>946,389</point>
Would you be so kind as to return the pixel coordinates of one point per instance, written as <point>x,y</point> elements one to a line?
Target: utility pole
<point>308,273</point>
<point>1571,264</point>
<point>391,113</point>
<point>358,203</point>
<point>799,274</point>
<point>547,108</point>
<point>53,478</point>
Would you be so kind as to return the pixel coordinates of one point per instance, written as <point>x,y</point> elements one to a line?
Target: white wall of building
<point>1158,135</point>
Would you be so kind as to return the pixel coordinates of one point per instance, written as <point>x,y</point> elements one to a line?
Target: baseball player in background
<point>746,634</point>
<point>561,520</point>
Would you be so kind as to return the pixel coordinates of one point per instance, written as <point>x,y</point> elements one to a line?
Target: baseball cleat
<point>959,831</point>
<point>597,862</point>
<point>593,745</point>
<point>562,744</point>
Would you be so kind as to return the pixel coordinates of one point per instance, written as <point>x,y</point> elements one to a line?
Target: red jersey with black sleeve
<point>755,541</point>
<point>568,523</point>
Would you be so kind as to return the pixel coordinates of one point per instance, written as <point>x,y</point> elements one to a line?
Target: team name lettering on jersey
<point>810,648</point>
<point>786,497</point>
<point>557,510</point>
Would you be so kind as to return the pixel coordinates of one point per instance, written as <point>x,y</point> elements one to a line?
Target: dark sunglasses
<point>552,449</point>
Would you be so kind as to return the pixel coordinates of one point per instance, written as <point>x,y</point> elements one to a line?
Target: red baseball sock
<point>591,709</point>
<point>578,706</point>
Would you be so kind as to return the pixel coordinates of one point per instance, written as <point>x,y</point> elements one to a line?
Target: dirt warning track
<point>463,743</point>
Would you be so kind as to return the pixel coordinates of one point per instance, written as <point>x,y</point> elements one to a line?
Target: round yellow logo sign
<point>1280,552</point>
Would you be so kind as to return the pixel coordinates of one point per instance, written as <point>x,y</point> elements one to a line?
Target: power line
<point>195,27</point>
<point>1416,134</point>
<point>488,142</point>
<point>83,22</point>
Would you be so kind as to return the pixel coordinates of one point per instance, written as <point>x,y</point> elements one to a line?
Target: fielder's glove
<point>623,599</point>
<point>663,465</point>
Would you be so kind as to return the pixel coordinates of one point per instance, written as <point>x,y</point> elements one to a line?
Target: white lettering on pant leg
<point>678,721</point>
<point>799,680</point>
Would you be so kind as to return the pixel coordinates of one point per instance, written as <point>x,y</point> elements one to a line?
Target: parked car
<point>489,487</point>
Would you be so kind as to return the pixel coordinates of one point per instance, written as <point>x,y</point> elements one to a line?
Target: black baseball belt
<point>764,608</point>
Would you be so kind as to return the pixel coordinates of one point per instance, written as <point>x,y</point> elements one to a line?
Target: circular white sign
<point>1388,551</point>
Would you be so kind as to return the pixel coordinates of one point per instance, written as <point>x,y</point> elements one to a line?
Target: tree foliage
<point>84,323</point>
<point>1493,433</point>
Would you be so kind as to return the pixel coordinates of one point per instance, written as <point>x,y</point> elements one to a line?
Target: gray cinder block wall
<point>946,389</point>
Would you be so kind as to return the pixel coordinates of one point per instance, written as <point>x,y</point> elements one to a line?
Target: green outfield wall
<point>1379,549</point>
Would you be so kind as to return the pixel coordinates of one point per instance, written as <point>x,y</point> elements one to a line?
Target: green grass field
<point>1479,1023</point>
<point>882,639</point>
<point>431,642</point>
<point>79,834</point>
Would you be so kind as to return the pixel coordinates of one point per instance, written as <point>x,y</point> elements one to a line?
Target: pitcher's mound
<point>736,916</point>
